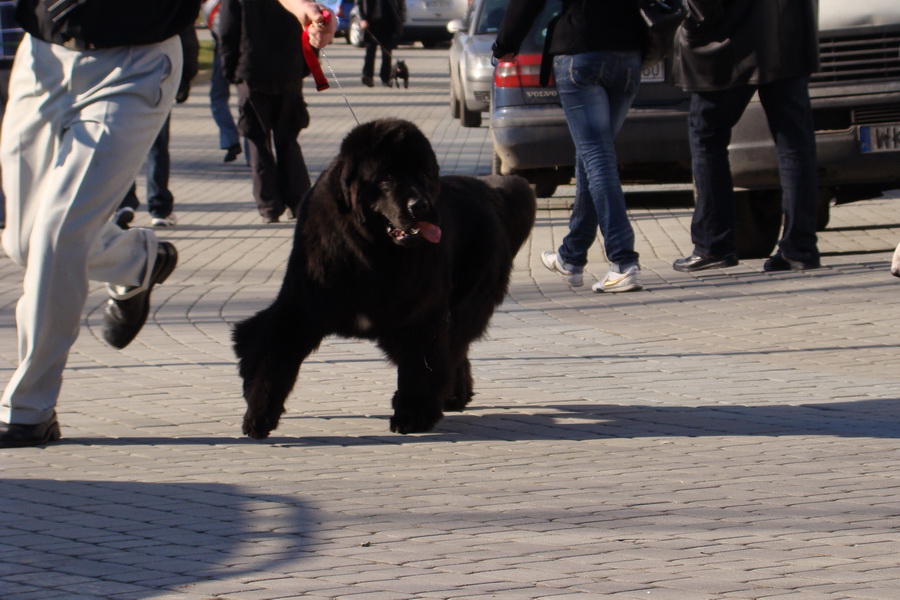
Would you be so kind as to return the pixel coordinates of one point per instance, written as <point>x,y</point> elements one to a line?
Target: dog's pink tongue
<point>429,231</point>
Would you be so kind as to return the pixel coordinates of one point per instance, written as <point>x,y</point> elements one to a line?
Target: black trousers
<point>388,41</point>
<point>788,111</point>
<point>271,122</point>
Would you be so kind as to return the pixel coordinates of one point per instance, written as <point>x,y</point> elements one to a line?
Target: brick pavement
<point>727,435</point>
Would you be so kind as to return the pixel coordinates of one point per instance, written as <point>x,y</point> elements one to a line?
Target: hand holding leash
<point>312,61</point>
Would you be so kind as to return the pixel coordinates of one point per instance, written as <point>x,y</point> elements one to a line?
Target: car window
<point>534,41</point>
<point>491,16</point>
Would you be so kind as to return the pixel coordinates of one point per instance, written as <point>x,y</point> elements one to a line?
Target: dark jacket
<point>12,35</point>
<point>583,26</point>
<point>727,43</point>
<point>260,43</point>
<point>106,23</point>
<point>389,14</point>
<point>190,50</point>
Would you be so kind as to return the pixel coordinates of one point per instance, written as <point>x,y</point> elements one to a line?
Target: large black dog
<point>386,249</point>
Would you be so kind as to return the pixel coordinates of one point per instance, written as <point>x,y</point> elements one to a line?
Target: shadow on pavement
<point>861,419</point>
<point>105,538</point>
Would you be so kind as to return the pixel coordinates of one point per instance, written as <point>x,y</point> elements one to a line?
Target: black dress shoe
<point>232,153</point>
<point>368,81</point>
<point>780,262</point>
<point>695,262</point>
<point>13,435</point>
<point>123,319</point>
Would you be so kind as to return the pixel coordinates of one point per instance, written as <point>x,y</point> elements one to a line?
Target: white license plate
<point>656,73</point>
<point>879,138</point>
<point>438,4</point>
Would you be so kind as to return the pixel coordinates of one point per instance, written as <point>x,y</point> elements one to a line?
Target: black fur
<point>366,264</point>
<point>399,73</point>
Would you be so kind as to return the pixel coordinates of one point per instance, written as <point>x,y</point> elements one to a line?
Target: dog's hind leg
<point>270,347</point>
<point>462,391</point>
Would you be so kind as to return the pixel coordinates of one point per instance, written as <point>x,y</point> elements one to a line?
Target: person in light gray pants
<point>66,117</point>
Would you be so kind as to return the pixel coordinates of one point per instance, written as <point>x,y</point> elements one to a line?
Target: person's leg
<point>789,114</point>
<point>386,60</point>
<point>582,222</point>
<point>4,96</point>
<point>219,95</point>
<point>596,89</point>
<point>159,198</point>
<point>293,176</point>
<point>255,124</point>
<point>711,117</point>
<point>371,48</point>
<point>125,212</point>
<point>59,226</point>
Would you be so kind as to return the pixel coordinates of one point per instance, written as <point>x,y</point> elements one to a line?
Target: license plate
<point>656,73</point>
<point>438,4</point>
<point>879,138</point>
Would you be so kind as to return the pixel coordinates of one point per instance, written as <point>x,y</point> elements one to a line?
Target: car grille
<point>859,57</point>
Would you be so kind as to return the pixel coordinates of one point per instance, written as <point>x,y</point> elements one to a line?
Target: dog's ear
<point>350,187</point>
<point>339,178</point>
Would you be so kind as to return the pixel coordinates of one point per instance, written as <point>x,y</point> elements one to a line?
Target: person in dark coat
<point>261,52</point>
<point>725,53</point>
<point>382,24</point>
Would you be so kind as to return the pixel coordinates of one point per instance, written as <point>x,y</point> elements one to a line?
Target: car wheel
<point>757,222</point>
<point>454,101</point>
<point>823,211</point>
<point>545,189</point>
<point>355,34</point>
<point>469,118</point>
<point>545,182</point>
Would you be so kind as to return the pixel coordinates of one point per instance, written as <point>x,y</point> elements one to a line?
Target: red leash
<point>312,61</point>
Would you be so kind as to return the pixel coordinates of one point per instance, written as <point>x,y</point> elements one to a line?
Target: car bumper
<point>534,138</point>
<point>478,94</point>
<point>839,153</point>
<point>539,137</point>
<point>426,31</point>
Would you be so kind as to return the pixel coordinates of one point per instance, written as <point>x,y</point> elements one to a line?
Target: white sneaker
<point>629,281</point>
<point>169,221</point>
<point>572,274</point>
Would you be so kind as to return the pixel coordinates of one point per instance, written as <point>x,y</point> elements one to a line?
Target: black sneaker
<point>232,153</point>
<point>123,217</point>
<point>13,435</point>
<point>123,319</point>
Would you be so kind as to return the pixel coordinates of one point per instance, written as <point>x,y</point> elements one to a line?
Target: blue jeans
<point>596,90</point>
<point>219,94</point>
<point>789,114</point>
<point>159,198</point>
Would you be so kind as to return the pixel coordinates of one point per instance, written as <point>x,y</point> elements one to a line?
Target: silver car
<point>426,22</point>
<point>470,65</point>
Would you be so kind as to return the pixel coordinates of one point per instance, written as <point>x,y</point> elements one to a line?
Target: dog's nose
<point>418,207</point>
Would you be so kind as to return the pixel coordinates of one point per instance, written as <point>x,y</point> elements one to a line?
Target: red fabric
<point>312,60</point>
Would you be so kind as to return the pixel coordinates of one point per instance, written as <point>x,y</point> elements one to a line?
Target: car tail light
<point>523,71</point>
<point>340,10</point>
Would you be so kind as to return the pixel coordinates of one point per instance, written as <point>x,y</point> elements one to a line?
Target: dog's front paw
<point>406,421</point>
<point>258,427</point>
<point>457,403</point>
